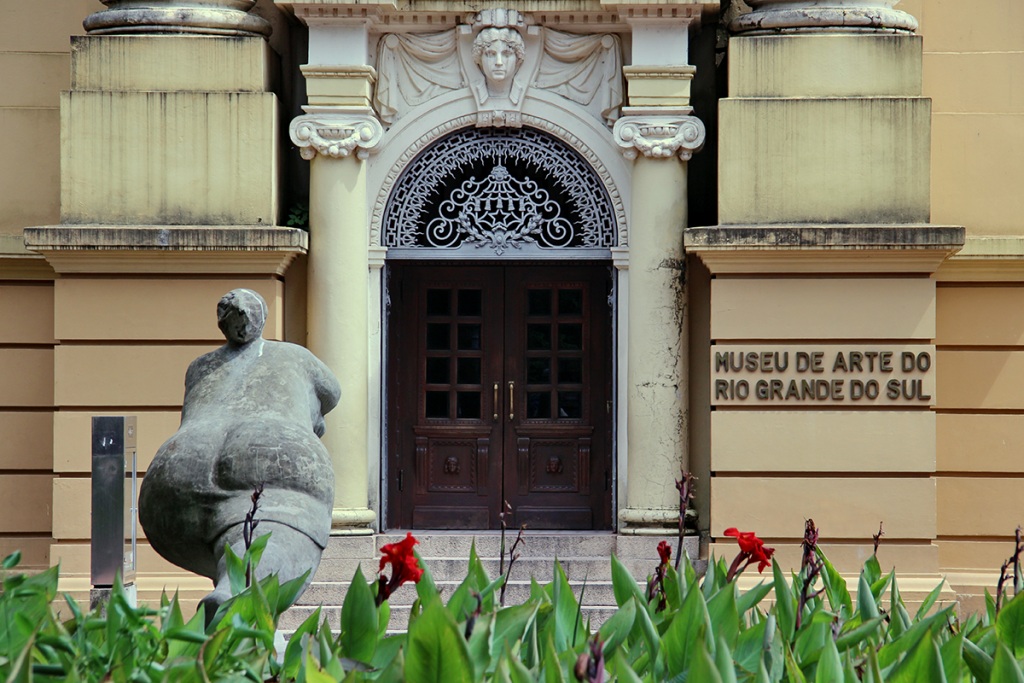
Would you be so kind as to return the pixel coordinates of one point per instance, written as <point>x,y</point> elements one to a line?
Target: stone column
<point>774,17</point>
<point>657,344</point>
<point>338,326</point>
<point>209,17</point>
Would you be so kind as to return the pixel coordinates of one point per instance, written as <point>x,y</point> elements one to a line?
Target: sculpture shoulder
<point>327,388</point>
<point>202,365</point>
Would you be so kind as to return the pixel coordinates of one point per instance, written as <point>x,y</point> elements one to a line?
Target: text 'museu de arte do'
<point>823,374</point>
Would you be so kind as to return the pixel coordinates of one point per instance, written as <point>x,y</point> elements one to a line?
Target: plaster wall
<point>34,68</point>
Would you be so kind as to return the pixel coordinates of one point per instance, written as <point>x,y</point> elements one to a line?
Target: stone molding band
<point>336,135</point>
<point>659,136</point>
<point>209,17</point>
<point>803,16</point>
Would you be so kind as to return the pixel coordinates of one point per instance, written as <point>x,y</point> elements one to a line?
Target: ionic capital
<point>336,134</point>
<point>659,136</point>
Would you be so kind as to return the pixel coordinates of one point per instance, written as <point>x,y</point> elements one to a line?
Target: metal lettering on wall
<point>835,374</point>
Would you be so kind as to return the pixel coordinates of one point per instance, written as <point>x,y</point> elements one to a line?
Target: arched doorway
<point>499,335</point>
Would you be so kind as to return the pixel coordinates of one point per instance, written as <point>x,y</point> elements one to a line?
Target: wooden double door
<point>499,389</point>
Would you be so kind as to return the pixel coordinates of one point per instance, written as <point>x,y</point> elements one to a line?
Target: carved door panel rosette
<point>336,135</point>
<point>659,136</point>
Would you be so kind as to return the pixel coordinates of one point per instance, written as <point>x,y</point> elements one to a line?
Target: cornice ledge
<point>167,249</point>
<point>986,258</point>
<point>911,248</point>
<point>336,134</point>
<point>659,136</point>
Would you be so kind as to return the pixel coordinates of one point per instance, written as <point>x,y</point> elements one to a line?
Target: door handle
<point>495,401</point>
<point>511,401</point>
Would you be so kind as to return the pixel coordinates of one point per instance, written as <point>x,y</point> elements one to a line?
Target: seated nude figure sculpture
<point>252,416</point>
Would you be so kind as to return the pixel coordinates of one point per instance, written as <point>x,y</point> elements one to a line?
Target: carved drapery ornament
<point>336,135</point>
<point>499,59</point>
<point>659,136</point>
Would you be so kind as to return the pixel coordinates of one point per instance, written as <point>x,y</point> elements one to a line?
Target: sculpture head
<point>498,52</point>
<point>241,315</point>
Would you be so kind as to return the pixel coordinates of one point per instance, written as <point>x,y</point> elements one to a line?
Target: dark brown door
<point>499,382</point>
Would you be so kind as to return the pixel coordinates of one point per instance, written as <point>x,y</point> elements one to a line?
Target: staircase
<point>584,556</point>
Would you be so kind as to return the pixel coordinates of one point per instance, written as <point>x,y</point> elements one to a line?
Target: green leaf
<point>922,663</point>
<point>511,623</point>
<point>725,618</point>
<point>978,661</point>
<point>395,671</point>
<point>865,599</point>
<point>1005,669</point>
<point>703,668</point>
<point>830,667</point>
<point>647,630</point>
<point>212,648</point>
<point>952,658</point>
<point>856,636</point>
<point>552,669</point>
<point>623,671</point>
<point>358,638</point>
<point>761,675</point>
<point>1010,625</point>
<point>784,608</point>
<point>929,602</point>
<point>437,651</point>
<point>614,631</point>
<point>425,588</point>
<point>752,597</point>
<point>12,560</point>
<point>686,629</point>
<point>481,645</point>
<point>623,584</point>
<point>835,587</point>
<point>872,572</point>
<point>235,569</point>
<point>723,658</point>
<point>749,647</point>
<point>673,589</point>
<point>288,593</point>
<point>792,668</point>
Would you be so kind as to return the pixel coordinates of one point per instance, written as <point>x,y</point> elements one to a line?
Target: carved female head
<point>498,52</point>
<point>241,315</point>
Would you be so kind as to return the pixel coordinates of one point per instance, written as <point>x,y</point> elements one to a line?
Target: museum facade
<point>555,253</point>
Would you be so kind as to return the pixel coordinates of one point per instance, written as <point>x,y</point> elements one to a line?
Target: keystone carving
<point>659,136</point>
<point>336,135</point>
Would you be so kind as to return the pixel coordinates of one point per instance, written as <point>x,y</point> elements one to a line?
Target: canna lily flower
<point>664,552</point>
<point>404,567</point>
<point>751,550</point>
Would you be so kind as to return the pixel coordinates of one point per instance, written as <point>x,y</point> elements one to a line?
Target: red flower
<point>404,566</point>
<point>664,552</point>
<point>751,549</point>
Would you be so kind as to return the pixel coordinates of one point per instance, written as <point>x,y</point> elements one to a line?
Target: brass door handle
<point>511,401</point>
<point>495,401</point>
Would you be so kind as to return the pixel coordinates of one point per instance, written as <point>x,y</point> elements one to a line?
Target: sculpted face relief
<point>499,52</point>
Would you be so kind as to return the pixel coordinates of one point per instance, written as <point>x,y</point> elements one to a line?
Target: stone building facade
<point>555,253</point>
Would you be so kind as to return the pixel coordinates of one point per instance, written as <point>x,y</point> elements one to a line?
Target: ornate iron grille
<point>499,188</point>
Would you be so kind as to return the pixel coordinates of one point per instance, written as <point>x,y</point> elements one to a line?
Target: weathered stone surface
<point>252,415</point>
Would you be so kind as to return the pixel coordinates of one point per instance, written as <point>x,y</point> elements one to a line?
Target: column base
<point>654,521</point>
<point>352,521</point>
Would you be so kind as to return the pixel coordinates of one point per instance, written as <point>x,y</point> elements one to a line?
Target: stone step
<point>582,555</point>
<point>399,620</point>
<point>518,592</point>
<point>454,569</point>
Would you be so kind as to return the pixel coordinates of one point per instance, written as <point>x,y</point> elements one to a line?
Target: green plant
<point>682,628</point>
<point>298,216</point>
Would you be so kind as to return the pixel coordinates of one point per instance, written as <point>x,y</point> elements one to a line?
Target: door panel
<point>557,335</point>
<point>499,387</point>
